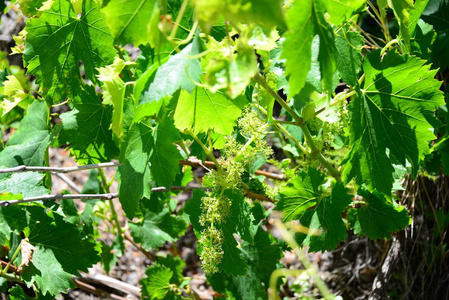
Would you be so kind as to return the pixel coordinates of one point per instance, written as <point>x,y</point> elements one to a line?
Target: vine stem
<point>106,186</point>
<point>314,151</point>
<point>181,12</point>
<point>208,151</point>
<point>14,256</point>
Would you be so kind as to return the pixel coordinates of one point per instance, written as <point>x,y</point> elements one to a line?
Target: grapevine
<point>290,124</point>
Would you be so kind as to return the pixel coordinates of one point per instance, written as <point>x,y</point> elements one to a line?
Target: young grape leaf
<point>393,113</point>
<point>86,127</point>
<point>340,11</point>
<point>233,75</point>
<point>401,9</point>
<point>149,153</point>
<point>377,219</point>
<point>302,192</point>
<point>267,13</point>
<point>349,60</point>
<point>156,228</point>
<point>203,110</point>
<point>30,7</point>
<point>128,20</point>
<point>157,283</point>
<point>59,39</point>
<point>326,227</point>
<point>62,251</point>
<point>15,90</point>
<point>114,92</point>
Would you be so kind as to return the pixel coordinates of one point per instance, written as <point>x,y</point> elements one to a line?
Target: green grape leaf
<point>415,14</point>
<point>86,127</point>
<point>157,283</point>
<point>340,11</point>
<point>241,219</point>
<point>268,13</point>
<point>176,264</point>
<point>377,219</point>
<point>203,110</point>
<point>233,75</point>
<point>394,113</point>
<point>149,105</point>
<point>180,71</point>
<point>156,228</point>
<point>165,155</point>
<point>326,227</point>
<point>263,255</point>
<point>349,60</point>
<point>232,263</point>
<point>436,16</point>
<point>422,40</point>
<point>114,92</point>
<point>128,20</point>
<point>305,20</point>
<point>149,153</point>
<point>13,219</point>
<point>298,44</point>
<point>26,184</point>
<point>108,258</point>
<point>133,174</point>
<point>59,39</point>
<point>62,251</point>
<point>17,293</point>
<point>27,146</point>
<point>301,193</point>
<point>262,258</point>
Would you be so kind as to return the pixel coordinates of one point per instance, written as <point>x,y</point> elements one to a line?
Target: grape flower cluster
<point>216,206</point>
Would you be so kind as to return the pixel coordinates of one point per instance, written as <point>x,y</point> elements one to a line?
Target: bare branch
<point>70,183</point>
<point>60,197</point>
<point>93,196</point>
<point>22,168</point>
